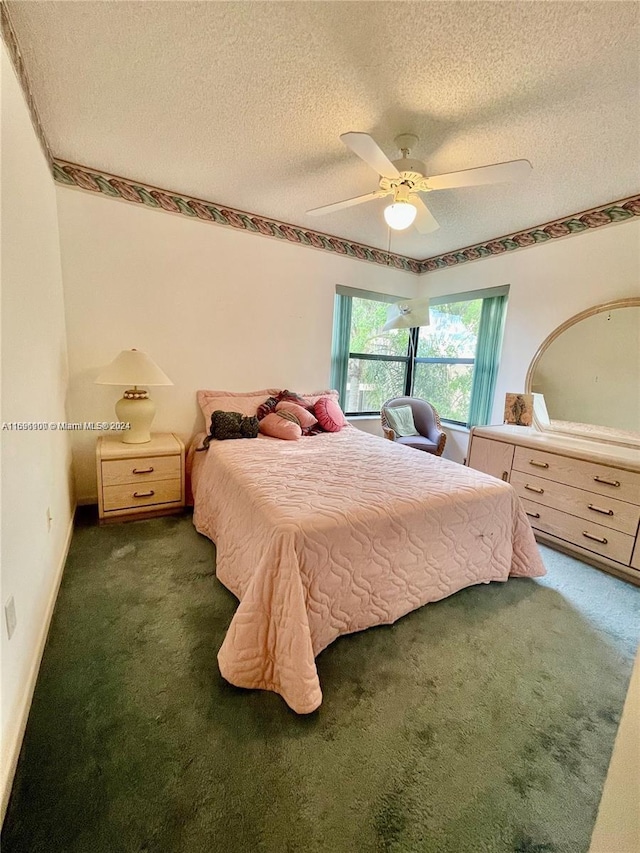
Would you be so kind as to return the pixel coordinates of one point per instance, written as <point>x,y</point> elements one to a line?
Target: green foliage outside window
<point>453,334</point>
<point>367,319</point>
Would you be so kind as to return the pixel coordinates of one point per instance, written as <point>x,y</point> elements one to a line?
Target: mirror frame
<point>591,431</point>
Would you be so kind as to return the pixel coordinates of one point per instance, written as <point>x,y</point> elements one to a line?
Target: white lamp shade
<point>133,367</point>
<point>408,314</point>
<point>400,215</point>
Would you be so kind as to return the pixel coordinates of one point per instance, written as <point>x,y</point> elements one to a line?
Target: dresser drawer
<point>594,537</point>
<point>616,515</point>
<point>119,471</point>
<point>144,494</point>
<point>600,479</point>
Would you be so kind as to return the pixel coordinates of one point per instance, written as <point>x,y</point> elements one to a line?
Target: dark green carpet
<point>480,724</point>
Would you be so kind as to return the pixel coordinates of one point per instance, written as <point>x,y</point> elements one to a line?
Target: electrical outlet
<point>49,519</point>
<point>10,616</point>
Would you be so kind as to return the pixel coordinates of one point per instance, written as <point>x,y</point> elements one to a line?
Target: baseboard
<point>13,747</point>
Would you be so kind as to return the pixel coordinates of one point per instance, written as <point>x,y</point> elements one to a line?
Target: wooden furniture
<point>140,480</point>
<point>588,370</point>
<point>581,496</point>
<point>432,438</point>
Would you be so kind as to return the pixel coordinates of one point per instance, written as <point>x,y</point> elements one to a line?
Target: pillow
<point>311,399</point>
<point>329,414</point>
<point>305,418</point>
<point>227,401</point>
<point>400,419</point>
<point>278,426</point>
<point>227,425</point>
<point>267,407</point>
<point>292,397</point>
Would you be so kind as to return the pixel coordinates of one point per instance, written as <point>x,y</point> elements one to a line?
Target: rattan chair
<point>432,439</point>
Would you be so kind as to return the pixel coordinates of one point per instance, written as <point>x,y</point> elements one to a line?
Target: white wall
<point>36,466</point>
<point>549,283</point>
<point>215,308</point>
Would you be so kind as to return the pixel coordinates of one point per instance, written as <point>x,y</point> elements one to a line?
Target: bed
<point>339,532</point>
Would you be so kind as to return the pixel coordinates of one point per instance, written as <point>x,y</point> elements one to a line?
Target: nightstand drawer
<point>119,471</point>
<point>148,493</point>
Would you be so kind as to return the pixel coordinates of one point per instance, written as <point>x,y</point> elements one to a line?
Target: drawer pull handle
<point>615,483</point>
<point>534,514</point>
<point>148,494</point>
<point>599,509</point>
<point>143,470</point>
<point>533,489</point>
<point>538,464</point>
<point>595,538</point>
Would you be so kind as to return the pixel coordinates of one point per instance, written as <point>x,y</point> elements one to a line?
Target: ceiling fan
<point>406,177</point>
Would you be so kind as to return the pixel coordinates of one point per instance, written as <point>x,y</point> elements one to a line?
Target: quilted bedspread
<point>339,532</point>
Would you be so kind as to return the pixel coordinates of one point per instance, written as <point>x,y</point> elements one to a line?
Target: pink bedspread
<point>335,533</point>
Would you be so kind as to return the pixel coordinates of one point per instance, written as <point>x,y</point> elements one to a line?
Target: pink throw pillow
<point>276,426</point>
<point>304,416</point>
<point>329,414</point>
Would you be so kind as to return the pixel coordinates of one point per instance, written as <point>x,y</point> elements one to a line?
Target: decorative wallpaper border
<point>71,174</point>
<point>607,214</point>
<point>11,41</point>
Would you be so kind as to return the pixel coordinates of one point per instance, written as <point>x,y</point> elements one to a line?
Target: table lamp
<point>133,367</point>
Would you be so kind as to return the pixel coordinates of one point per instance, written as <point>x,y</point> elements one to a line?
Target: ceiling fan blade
<point>499,173</point>
<point>368,150</point>
<point>339,205</point>
<point>425,220</point>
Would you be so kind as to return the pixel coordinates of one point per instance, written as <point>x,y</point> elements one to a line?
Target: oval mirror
<point>588,370</point>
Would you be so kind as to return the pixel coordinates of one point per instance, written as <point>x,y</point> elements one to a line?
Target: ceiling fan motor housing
<point>408,164</point>
<point>411,176</point>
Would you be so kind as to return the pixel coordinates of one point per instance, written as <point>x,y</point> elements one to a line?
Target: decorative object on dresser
<point>133,367</point>
<point>140,482</point>
<point>581,496</point>
<point>518,409</point>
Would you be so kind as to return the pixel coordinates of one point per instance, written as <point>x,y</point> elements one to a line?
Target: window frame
<point>411,359</point>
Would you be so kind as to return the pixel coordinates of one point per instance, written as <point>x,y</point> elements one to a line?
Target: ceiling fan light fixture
<point>400,215</point>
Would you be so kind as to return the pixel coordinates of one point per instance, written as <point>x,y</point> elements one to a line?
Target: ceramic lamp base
<point>139,413</point>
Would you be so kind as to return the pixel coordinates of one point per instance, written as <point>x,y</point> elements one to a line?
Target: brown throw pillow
<point>229,425</point>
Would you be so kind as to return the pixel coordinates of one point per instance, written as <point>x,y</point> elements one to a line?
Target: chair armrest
<point>389,433</point>
<point>435,434</point>
<point>440,438</point>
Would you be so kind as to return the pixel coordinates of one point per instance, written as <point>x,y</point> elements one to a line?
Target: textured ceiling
<point>242,103</point>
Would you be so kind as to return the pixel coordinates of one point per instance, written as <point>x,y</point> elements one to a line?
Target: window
<point>446,358</point>
<point>453,362</point>
<point>378,361</point>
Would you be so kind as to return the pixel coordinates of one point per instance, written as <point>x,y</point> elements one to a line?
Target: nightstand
<point>140,480</point>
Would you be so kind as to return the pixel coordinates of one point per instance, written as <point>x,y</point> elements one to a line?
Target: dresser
<point>581,496</point>
<point>140,480</point>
